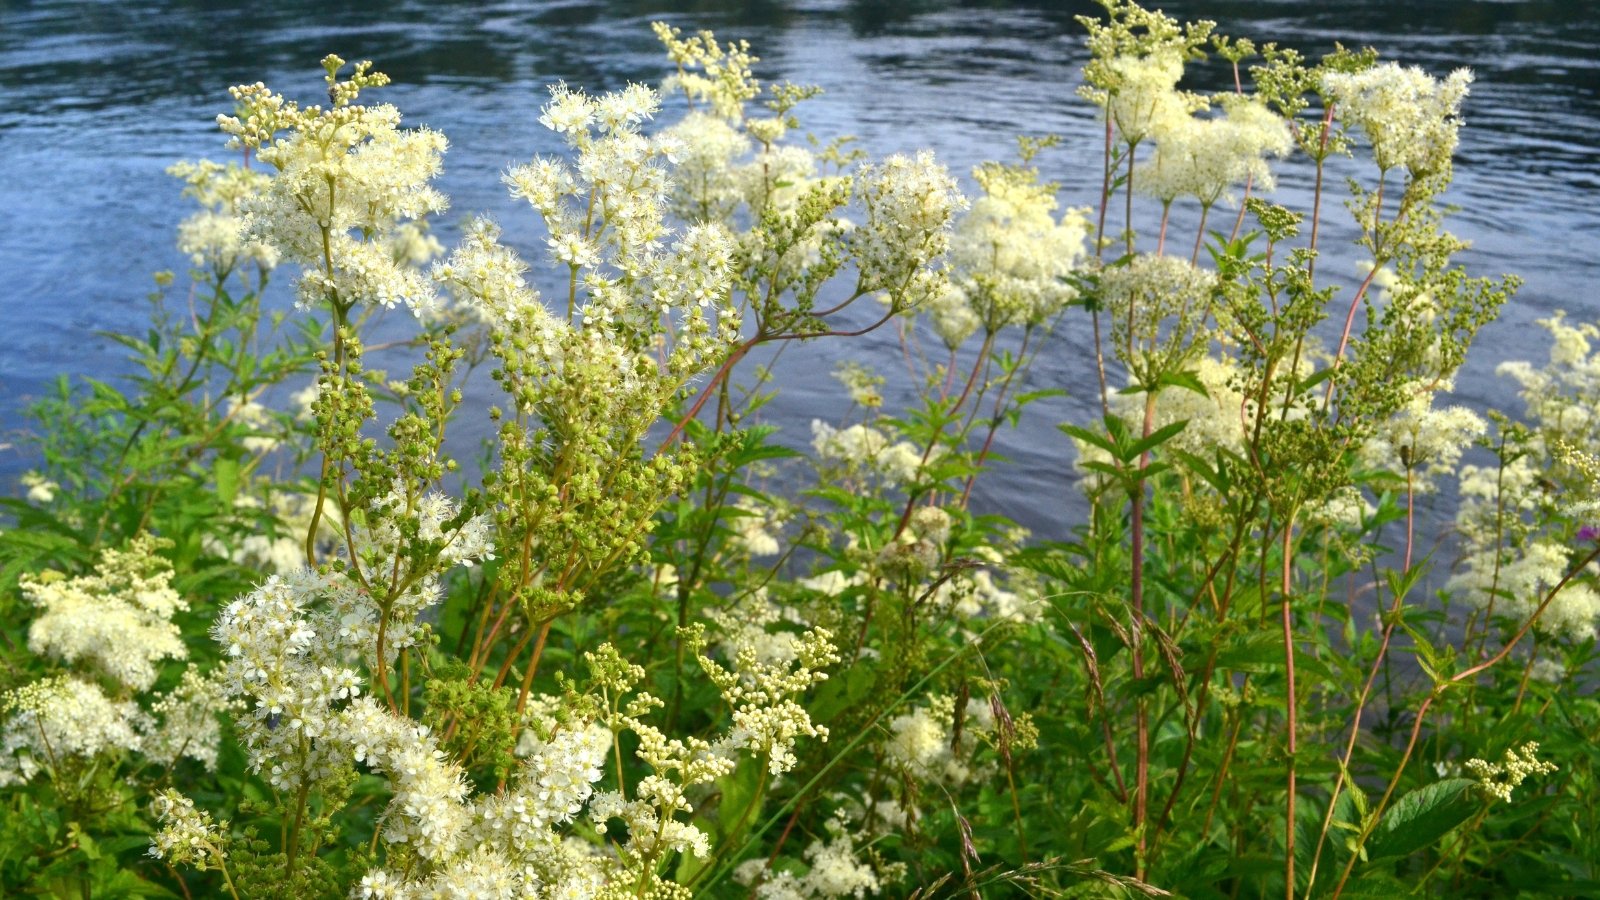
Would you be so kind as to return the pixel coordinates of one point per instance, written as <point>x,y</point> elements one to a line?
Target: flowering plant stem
<point>1463,677</point>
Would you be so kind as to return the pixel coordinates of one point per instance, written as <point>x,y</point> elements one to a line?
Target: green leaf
<point>1423,816</point>
<point>1259,652</point>
<point>1157,438</point>
<point>1316,378</point>
<point>227,479</point>
<point>1186,380</point>
<point>1201,468</point>
<point>1090,438</point>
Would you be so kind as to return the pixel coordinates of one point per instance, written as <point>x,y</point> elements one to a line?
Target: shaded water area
<point>97,99</point>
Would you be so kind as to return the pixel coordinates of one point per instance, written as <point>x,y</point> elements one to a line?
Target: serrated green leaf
<point>1189,381</point>
<point>1089,437</point>
<point>1157,438</point>
<point>1424,816</point>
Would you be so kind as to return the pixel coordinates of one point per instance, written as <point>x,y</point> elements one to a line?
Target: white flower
<point>1204,158</point>
<point>117,619</point>
<point>1010,254</point>
<point>1144,99</point>
<point>1516,583</point>
<point>1411,118</point>
<point>909,202</point>
<point>1427,440</point>
<point>55,720</point>
<point>567,110</point>
<point>187,835</point>
<point>41,490</point>
<point>1498,779</point>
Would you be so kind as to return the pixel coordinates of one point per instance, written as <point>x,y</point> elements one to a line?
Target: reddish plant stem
<point>1199,235</point>
<point>533,667</point>
<point>994,421</point>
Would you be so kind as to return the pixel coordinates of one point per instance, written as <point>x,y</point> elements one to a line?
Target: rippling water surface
<point>96,99</point>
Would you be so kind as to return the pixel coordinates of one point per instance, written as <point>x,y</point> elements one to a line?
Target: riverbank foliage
<point>268,633</point>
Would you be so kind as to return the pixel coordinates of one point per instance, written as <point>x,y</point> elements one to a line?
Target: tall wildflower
<point>117,621</point>
<point>213,237</point>
<point>1411,119</point>
<point>59,722</point>
<point>1205,158</point>
<point>1136,60</point>
<point>347,180</point>
<point>1010,255</point>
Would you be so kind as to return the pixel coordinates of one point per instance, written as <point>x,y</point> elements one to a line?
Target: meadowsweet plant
<point>269,636</point>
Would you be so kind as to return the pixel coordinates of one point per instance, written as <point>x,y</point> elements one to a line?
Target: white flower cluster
<point>1499,779</point>
<point>751,624</point>
<point>187,836</point>
<point>117,621</point>
<point>346,180</point>
<point>279,547</point>
<point>432,521</point>
<point>921,742</point>
<point>1009,256</point>
<point>767,717</point>
<point>605,213</point>
<point>652,830</point>
<point>1515,583</point>
<point>189,722</point>
<point>1511,561</point>
<point>213,237</point>
<point>863,384</point>
<point>1423,438</point>
<point>41,490</point>
<point>1218,418</point>
<point>909,204</point>
<point>833,870</point>
<point>832,583</point>
<point>1204,157</point>
<point>291,647</point>
<point>116,624</point>
<point>499,844</point>
<point>1563,396</point>
<point>753,523</point>
<point>647,307</point>
<point>1158,307</point>
<point>712,181</point>
<point>862,449</point>
<point>1144,296</point>
<point>1495,500</point>
<point>1143,99</point>
<point>58,721</point>
<point>488,279</point>
<point>974,595</point>
<point>1346,510</point>
<point>719,75</point>
<point>1411,118</point>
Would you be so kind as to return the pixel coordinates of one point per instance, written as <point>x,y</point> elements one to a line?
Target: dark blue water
<point>96,99</point>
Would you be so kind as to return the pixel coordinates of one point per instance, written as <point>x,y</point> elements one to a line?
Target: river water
<point>96,99</point>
